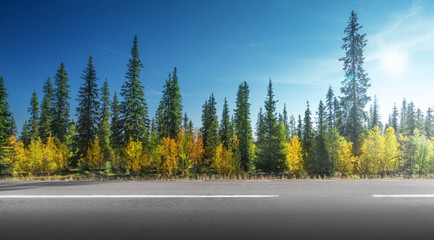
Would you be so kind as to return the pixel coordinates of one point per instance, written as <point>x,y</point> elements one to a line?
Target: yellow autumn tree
<point>169,156</point>
<point>185,161</point>
<point>391,151</point>
<point>345,160</point>
<point>134,157</point>
<point>55,157</point>
<point>225,160</point>
<point>35,157</point>
<point>196,149</point>
<point>15,158</point>
<point>373,152</point>
<point>294,157</point>
<point>94,158</point>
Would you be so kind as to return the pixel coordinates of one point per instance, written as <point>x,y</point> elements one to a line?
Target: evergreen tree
<point>169,111</point>
<point>104,131</point>
<point>242,126</point>
<point>34,117</point>
<point>286,123</point>
<point>374,119</point>
<point>429,123</point>
<point>134,109</point>
<point>402,123</point>
<point>292,126</point>
<point>5,116</point>
<point>356,83</point>
<point>59,124</point>
<point>260,131</point>
<point>46,111</point>
<point>210,128</point>
<point>25,133</point>
<point>420,121</point>
<point>393,118</point>
<point>271,154</point>
<point>225,126</point>
<point>185,119</point>
<point>330,109</point>
<point>13,129</point>
<point>87,109</point>
<point>299,127</point>
<point>116,124</point>
<point>307,141</point>
<point>410,120</point>
<point>321,159</point>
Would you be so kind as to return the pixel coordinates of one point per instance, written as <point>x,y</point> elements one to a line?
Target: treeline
<point>118,136</point>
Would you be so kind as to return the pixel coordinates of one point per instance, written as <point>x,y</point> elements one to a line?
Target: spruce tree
<point>307,141</point>
<point>60,111</point>
<point>330,109</point>
<point>134,109</point>
<point>355,85</point>
<point>271,154</point>
<point>429,123</point>
<point>87,109</point>
<point>116,124</point>
<point>169,112</point>
<point>409,121</point>
<point>374,119</point>
<point>393,119</point>
<point>5,116</point>
<point>292,126</point>
<point>104,132</point>
<point>185,120</point>
<point>286,123</point>
<point>299,127</point>
<point>321,159</point>
<point>25,133</point>
<point>46,111</point>
<point>13,129</point>
<point>242,127</point>
<point>34,117</point>
<point>402,122</point>
<point>210,128</point>
<point>225,126</point>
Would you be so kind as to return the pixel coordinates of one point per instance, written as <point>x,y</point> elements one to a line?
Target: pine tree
<point>242,127</point>
<point>374,119</point>
<point>225,126</point>
<point>292,126</point>
<point>321,159</point>
<point>429,123</point>
<point>185,125</point>
<point>410,120</point>
<point>307,141</point>
<point>260,131</point>
<point>46,111</point>
<point>330,109</point>
<point>402,124</point>
<point>271,156</point>
<point>210,128</point>
<point>13,128</point>
<point>393,118</point>
<point>133,107</point>
<point>299,127</point>
<point>60,111</point>
<point>169,112</point>
<point>116,124</point>
<point>104,132</point>
<point>34,117</point>
<point>5,116</point>
<point>25,133</point>
<point>87,109</point>
<point>356,83</point>
<point>286,122</point>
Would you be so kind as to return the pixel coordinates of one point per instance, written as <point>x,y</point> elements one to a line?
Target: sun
<point>394,62</point>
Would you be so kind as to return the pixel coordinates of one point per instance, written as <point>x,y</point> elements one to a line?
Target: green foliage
<point>134,110</point>
<point>87,109</point>
<point>225,126</point>
<point>169,112</point>
<point>5,116</point>
<point>60,110</point>
<point>116,125</point>
<point>210,129</point>
<point>354,88</point>
<point>34,117</point>
<point>104,131</point>
<point>46,110</point>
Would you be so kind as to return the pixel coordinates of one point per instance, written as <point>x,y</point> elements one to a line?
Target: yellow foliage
<point>170,156</point>
<point>94,158</point>
<point>196,149</point>
<point>135,158</point>
<point>391,155</point>
<point>345,160</point>
<point>294,157</point>
<point>373,152</point>
<point>225,159</point>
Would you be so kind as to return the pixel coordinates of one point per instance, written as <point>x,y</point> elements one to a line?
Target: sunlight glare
<point>394,62</point>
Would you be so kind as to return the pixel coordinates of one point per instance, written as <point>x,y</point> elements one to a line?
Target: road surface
<point>291,209</point>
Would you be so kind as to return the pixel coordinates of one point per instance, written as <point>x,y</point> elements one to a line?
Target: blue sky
<point>216,45</point>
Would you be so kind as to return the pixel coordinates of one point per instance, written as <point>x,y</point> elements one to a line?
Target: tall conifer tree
<point>210,128</point>
<point>133,107</point>
<point>5,116</point>
<point>242,127</point>
<point>46,110</point>
<point>87,109</point>
<point>116,124</point>
<point>34,117</point>
<point>356,81</point>
<point>104,132</point>
<point>60,122</point>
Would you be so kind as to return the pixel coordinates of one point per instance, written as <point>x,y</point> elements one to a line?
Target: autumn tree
<point>196,150</point>
<point>372,152</point>
<point>134,157</point>
<point>170,156</point>
<point>294,157</point>
<point>94,158</point>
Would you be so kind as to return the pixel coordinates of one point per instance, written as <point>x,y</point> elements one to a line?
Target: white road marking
<point>134,196</point>
<point>404,196</point>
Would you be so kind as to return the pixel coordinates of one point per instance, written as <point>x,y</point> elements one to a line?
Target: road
<point>291,209</point>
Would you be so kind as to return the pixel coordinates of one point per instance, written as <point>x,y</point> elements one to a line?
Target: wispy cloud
<point>104,48</point>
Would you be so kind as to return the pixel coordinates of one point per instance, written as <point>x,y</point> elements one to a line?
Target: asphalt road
<point>302,209</point>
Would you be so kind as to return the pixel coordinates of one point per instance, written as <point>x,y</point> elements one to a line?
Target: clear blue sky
<point>216,45</point>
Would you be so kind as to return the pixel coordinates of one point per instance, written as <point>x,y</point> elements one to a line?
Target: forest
<point>114,136</point>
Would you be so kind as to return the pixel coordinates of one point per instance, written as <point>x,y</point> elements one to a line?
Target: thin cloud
<point>104,48</point>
